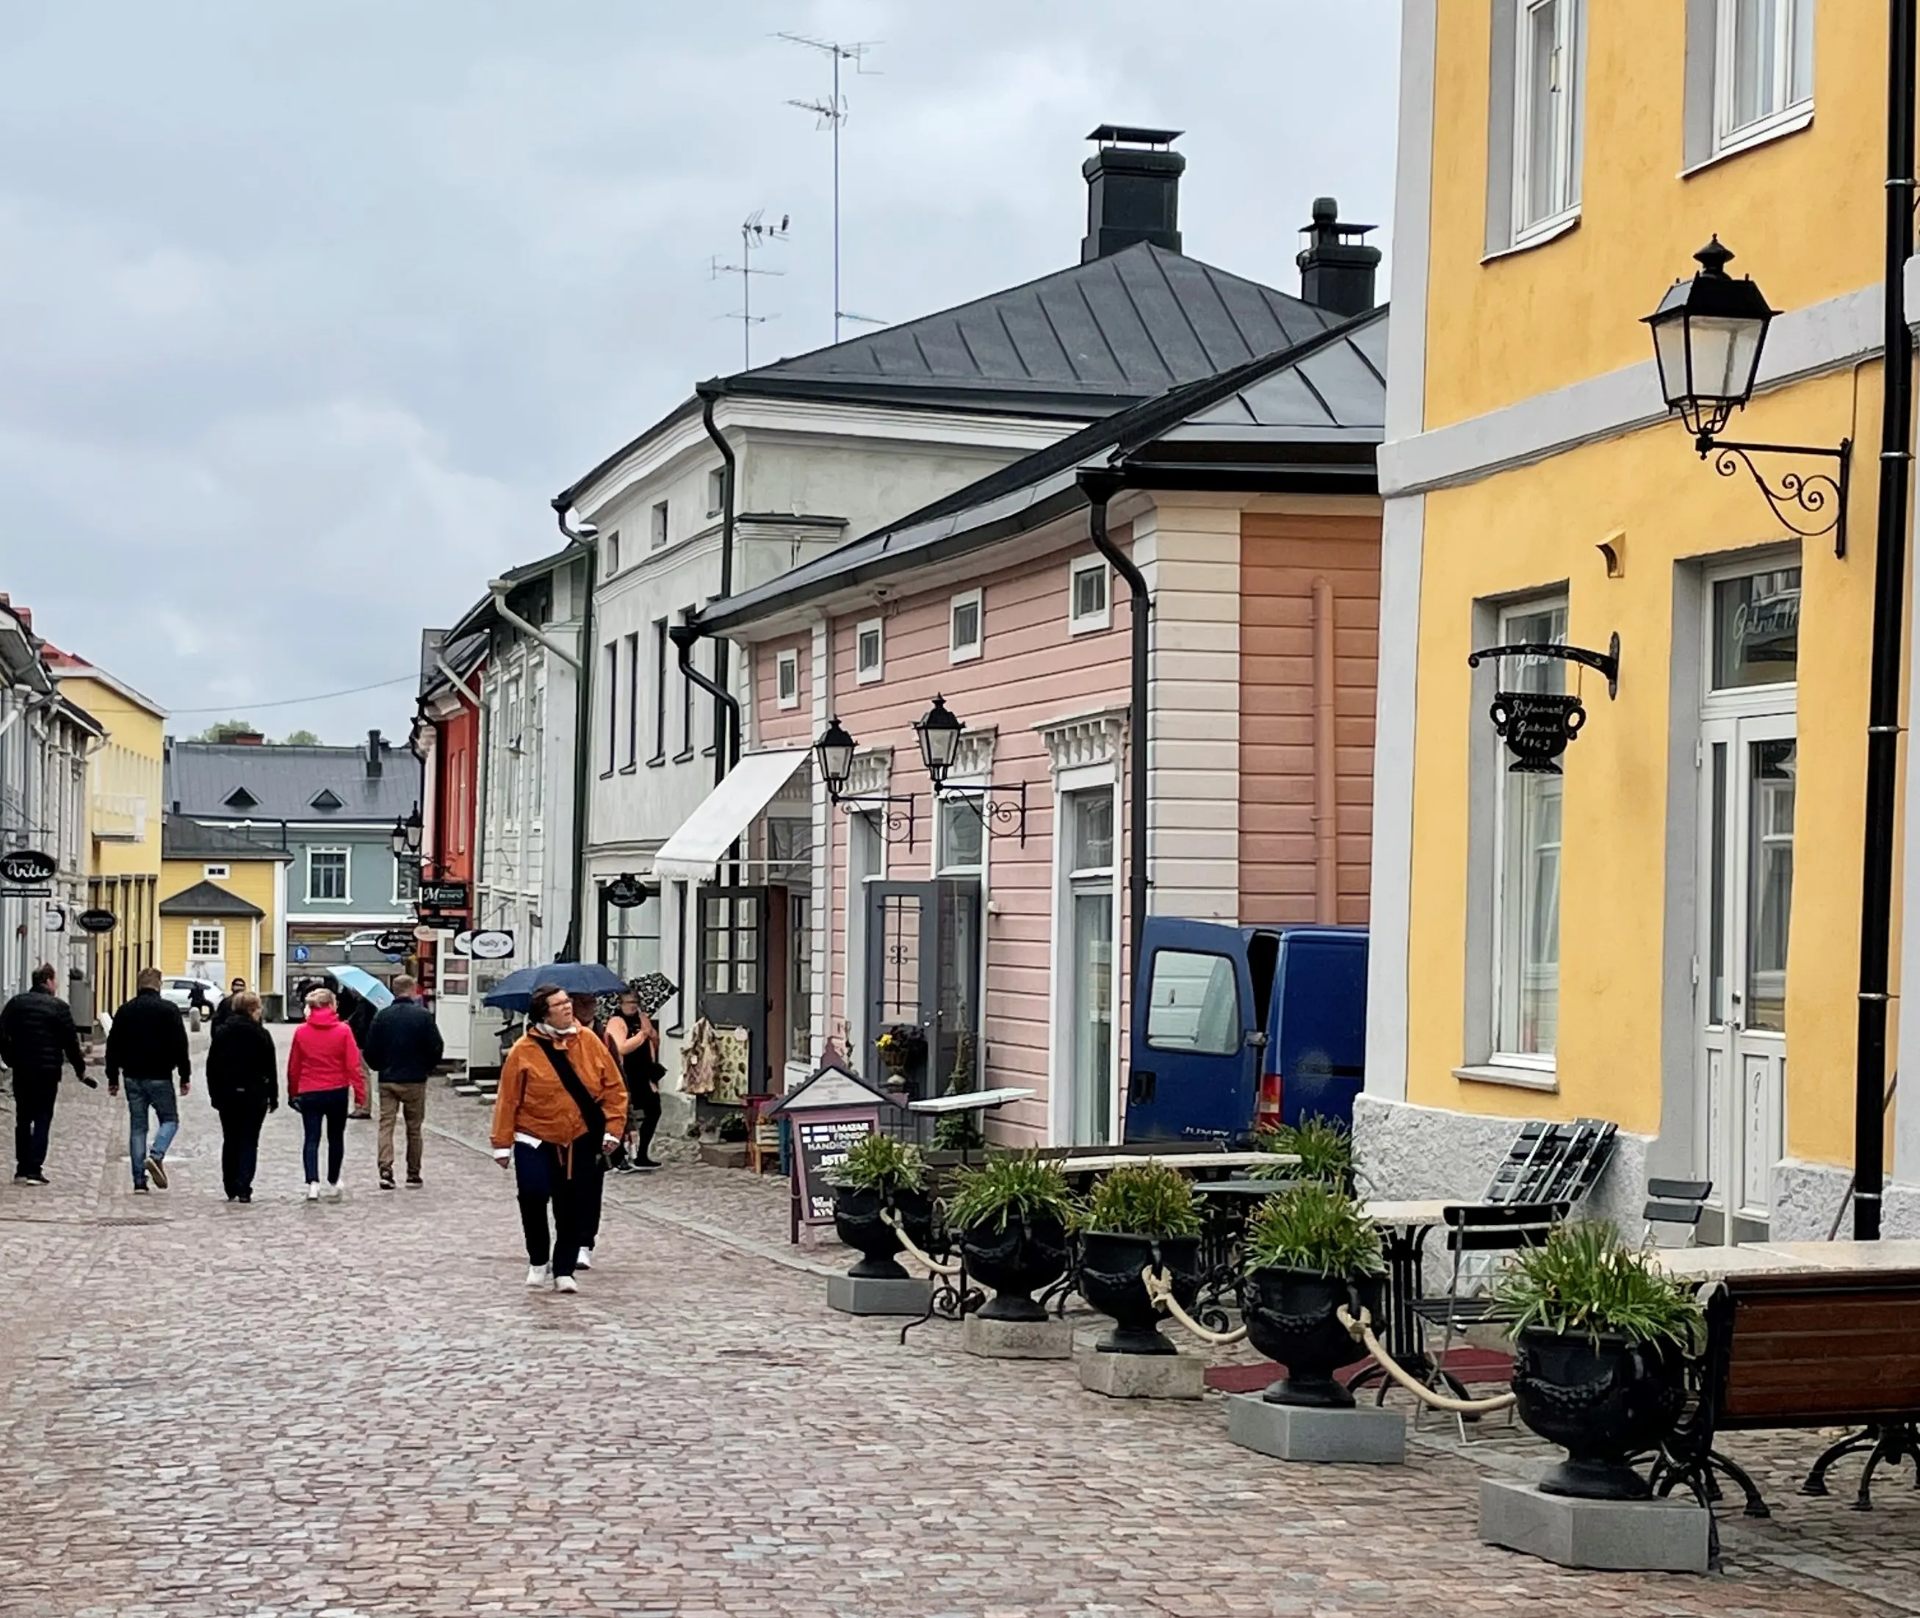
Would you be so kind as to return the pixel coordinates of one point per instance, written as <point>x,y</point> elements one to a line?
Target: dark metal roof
<point>208,899</point>
<point>285,781</point>
<point>1308,418</point>
<point>182,839</point>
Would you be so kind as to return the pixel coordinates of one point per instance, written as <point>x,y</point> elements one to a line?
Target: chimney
<point>1336,267</point>
<point>374,747</point>
<point>247,738</point>
<point>1133,190</point>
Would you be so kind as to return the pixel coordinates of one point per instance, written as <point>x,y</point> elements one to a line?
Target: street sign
<point>97,921</point>
<point>490,945</point>
<point>443,896</point>
<point>27,865</point>
<point>302,953</point>
<point>394,941</point>
<point>624,892</point>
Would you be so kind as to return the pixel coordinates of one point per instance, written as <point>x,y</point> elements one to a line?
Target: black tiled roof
<point>182,839</point>
<point>208,899</point>
<point>285,781</point>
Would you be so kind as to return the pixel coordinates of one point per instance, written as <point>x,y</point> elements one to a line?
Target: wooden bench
<point>1789,1349</point>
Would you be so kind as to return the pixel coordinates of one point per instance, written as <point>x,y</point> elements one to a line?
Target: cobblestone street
<point>326,1411</point>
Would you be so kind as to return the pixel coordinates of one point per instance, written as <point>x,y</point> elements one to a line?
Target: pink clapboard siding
<point>776,726</point>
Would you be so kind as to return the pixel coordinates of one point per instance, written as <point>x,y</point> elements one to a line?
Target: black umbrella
<point>653,991</point>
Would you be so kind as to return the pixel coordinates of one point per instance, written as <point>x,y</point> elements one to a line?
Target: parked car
<point>180,992</point>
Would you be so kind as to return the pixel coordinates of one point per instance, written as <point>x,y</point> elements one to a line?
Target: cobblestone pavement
<point>336,1411</point>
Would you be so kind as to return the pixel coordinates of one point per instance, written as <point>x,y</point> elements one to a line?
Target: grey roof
<point>182,839</point>
<point>208,899</point>
<point>480,617</point>
<point>461,655</point>
<point>286,780</point>
<point>1307,419</point>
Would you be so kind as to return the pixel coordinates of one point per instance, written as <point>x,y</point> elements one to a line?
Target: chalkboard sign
<point>821,1141</point>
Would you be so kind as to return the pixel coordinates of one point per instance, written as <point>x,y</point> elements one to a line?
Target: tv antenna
<point>831,114</point>
<point>755,233</point>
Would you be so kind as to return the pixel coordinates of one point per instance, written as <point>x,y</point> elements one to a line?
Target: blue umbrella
<point>575,977</point>
<point>364,984</point>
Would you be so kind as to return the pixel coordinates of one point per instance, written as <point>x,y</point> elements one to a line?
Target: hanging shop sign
<point>624,892</point>
<point>394,941</point>
<point>27,865</point>
<point>443,896</point>
<point>1538,725</point>
<point>489,944</point>
<point>56,919</point>
<point>97,921</point>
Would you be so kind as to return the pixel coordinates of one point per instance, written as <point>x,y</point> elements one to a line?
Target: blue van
<point>1245,1028</point>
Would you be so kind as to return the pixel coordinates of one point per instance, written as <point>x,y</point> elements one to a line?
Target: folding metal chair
<point>1673,1211</point>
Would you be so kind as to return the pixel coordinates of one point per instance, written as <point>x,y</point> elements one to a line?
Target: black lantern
<point>1707,336</point>
<point>404,839</point>
<point>939,736</point>
<point>834,750</point>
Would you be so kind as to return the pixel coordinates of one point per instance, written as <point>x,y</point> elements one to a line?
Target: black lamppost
<point>940,732</point>
<point>404,839</point>
<point>833,751</point>
<point>1708,334</point>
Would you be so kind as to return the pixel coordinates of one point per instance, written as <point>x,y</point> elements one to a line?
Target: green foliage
<point>732,1128</point>
<point>1323,1145</point>
<point>1311,1226</point>
<point>881,1163</point>
<point>300,738</point>
<point>1010,1184</point>
<point>1144,1199</point>
<point>226,730</point>
<point>1585,1280</point>
<point>958,1132</point>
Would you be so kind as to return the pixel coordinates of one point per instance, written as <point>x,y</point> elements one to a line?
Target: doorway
<point>923,955</point>
<point>732,964</point>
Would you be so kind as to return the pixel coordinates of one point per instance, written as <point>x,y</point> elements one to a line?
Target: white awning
<point>692,853</point>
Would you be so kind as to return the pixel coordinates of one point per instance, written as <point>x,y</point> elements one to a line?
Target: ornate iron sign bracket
<point>1537,725</point>
<point>1003,810</point>
<point>1809,493</point>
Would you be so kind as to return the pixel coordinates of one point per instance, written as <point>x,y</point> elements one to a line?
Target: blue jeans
<point>329,1108</point>
<point>159,1095</point>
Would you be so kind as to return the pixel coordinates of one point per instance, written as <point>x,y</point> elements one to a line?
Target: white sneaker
<point>585,1260</point>
<point>335,1193</point>
<point>539,1275</point>
<point>313,1190</point>
<point>565,1283</point>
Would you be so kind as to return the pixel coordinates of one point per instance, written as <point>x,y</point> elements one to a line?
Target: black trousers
<point>643,1116</point>
<point>33,1099</point>
<point>240,1146</point>
<point>565,1180</point>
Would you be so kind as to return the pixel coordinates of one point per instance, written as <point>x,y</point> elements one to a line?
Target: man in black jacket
<point>402,1047</point>
<point>36,1036</point>
<point>148,1044</point>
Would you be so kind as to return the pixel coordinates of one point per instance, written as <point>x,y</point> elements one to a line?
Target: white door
<point>452,1008</point>
<point>1748,766</point>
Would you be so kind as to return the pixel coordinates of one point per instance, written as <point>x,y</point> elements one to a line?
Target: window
<point>240,798</point>
<point>716,491</point>
<point>205,943</point>
<point>1088,1012</point>
<point>613,704</point>
<point>216,873</point>
<point>1526,910</point>
<point>633,937</point>
<point>659,523</point>
<point>1763,69</point>
<point>1087,606</point>
<point>789,850</point>
<point>965,631</point>
<point>1534,121</point>
<point>633,702</point>
<point>786,679</point>
<point>1756,630</point>
<point>610,553</point>
<point>537,749</point>
<point>1193,1004</point>
<point>868,652</point>
<point>326,798</point>
<point>687,689</point>
<point>659,691</point>
<point>679,956</point>
<point>406,881</point>
<point>799,979</point>
<point>327,876</point>
<point>962,835</point>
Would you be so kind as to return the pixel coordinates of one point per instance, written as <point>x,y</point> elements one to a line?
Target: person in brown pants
<point>403,1047</point>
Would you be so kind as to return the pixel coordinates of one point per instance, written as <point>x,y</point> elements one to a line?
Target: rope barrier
<point>1362,1331</point>
<point>889,1217</point>
<point>1159,1286</point>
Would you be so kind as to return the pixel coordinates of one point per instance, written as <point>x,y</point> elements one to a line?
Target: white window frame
<point>716,491</point>
<point>196,931</point>
<point>1079,623</point>
<point>878,629</point>
<point>610,548</point>
<point>346,859</point>
<point>1788,115</point>
<point>1069,786</point>
<point>786,678</point>
<point>216,873</point>
<point>1569,73</point>
<point>401,893</point>
<point>967,651</point>
<point>661,521</point>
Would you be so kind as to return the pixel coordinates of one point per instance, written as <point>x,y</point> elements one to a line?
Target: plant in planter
<point>732,1129</point>
<point>1140,1215</point>
<point>901,1046</point>
<point>1309,1250</point>
<point>1013,1214</point>
<point>1323,1145</point>
<point>1600,1341</point>
<point>879,1175</point>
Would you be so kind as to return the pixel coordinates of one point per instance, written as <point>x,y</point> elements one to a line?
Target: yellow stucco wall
<point>129,764</point>
<point>252,880</point>
<point>1804,213</point>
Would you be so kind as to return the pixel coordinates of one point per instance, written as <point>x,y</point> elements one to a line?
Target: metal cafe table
<point>1403,1240</point>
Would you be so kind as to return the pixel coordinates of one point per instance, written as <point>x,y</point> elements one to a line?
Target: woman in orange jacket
<point>559,1105</point>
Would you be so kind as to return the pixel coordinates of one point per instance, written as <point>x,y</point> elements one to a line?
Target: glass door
<point>733,970</point>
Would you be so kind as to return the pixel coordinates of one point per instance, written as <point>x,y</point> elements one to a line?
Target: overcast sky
<point>310,306</point>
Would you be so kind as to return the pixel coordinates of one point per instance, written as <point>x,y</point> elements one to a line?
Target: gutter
<point>445,670</point>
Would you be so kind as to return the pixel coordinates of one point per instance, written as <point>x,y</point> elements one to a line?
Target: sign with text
<point>624,892</point>
<point>821,1141</point>
<point>395,941</point>
<point>27,865</point>
<point>443,896</point>
<point>486,945</point>
<point>97,921</point>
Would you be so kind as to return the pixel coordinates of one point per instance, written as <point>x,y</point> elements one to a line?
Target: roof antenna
<point>755,232</point>
<point>832,113</point>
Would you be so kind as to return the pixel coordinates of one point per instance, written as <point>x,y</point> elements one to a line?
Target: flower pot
<point>856,1218</point>
<point>1601,1402</point>
<point>1016,1262</point>
<point>1290,1318</point>
<point>1110,1266</point>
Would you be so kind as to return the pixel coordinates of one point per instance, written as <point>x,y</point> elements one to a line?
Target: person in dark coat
<point>224,1010</point>
<point>403,1046</point>
<point>243,1084</point>
<point>37,1036</point>
<point>148,1045</point>
<point>357,1012</point>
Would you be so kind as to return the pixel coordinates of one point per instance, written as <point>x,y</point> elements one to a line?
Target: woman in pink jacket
<point>323,1074</point>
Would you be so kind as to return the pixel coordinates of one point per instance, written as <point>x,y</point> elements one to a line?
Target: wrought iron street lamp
<point>833,751</point>
<point>1708,335</point>
<point>940,732</point>
<point>404,839</point>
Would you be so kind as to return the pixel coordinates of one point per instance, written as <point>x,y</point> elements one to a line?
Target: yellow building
<point>1640,937</point>
<point>124,780</point>
<point>222,895</point>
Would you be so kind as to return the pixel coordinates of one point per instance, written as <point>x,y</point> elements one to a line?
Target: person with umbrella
<point>635,1041</point>
<point>552,1118</point>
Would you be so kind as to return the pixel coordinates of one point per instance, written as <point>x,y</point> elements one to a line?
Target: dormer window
<point>240,798</point>
<point>326,799</point>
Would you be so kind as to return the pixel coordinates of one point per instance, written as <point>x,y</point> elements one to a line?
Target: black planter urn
<point>1110,1266</point>
<point>1290,1319</point>
<point>1601,1402</point>
<point>856,1219</point>
<point>1016,1262</point>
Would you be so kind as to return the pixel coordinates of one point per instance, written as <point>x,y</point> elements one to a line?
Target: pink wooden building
<point>994,915</point>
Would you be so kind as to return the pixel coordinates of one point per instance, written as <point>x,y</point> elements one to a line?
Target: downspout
<point>726,711</point>
<point>1326,806</point>
<point>683,637</point>
<point>1100,487</point>
<point>582,730</point>
<point>445,670</point>
<point>1889,574</point>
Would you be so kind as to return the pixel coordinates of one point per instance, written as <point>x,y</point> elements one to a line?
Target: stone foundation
<point>1806,1196</point>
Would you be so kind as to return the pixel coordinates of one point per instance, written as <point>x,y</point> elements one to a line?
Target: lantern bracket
<point>893,814</point>
<point>1607,662</point>
<point>1003,809</point>
<point>1808,493</point>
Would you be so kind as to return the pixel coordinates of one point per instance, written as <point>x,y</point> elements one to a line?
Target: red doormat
<point>1470,1365</point>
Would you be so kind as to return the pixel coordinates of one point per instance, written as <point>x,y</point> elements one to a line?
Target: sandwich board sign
<point>827,1113</point>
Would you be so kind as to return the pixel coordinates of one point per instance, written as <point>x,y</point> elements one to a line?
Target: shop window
<point>1756,630</point>
<point>633,938</point>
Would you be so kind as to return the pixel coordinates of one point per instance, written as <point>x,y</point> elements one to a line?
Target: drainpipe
<point>1100,487</point>
<point>726,712</point>
<point>445,670</point>
<point>1883,700</point>
<point>726,704</point>
<point>1326,804</point>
